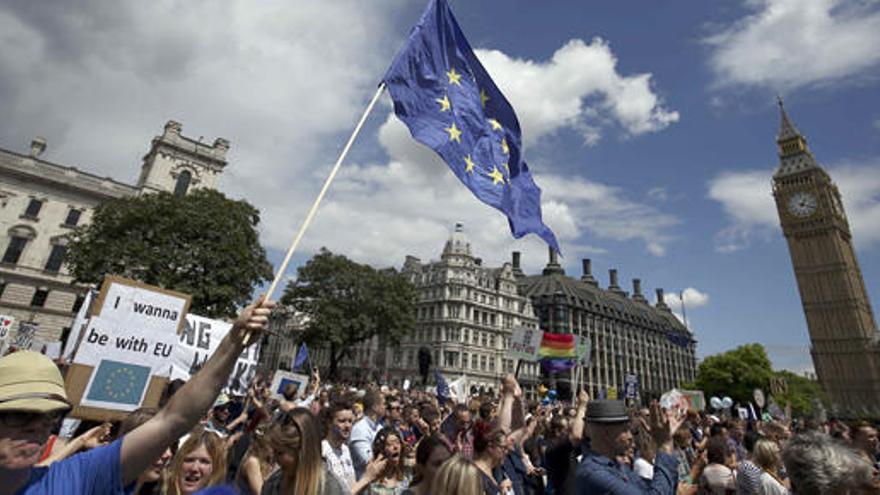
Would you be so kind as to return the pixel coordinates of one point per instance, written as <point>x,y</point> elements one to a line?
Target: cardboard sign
<point>284,378</point>
<point>778,385</point>
<point>524,343</point>
<point>198,341</point>
<point>123,356</point>
<point>758,395</point>
<point>696,399</point>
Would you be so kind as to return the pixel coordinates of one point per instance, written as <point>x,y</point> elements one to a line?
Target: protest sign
<point>200,338</point>
<point>78,326</point>
<point>284,378</point>
<point>583,349</point>
<point>696,399</point>
<point>6,326</point>
<point>53,349</point>
<point>612,393</point>
<point>123,358</point>
<point>743,413</point>
<point>25,335</point>
<point>631,387</point>
<point>524,343</point>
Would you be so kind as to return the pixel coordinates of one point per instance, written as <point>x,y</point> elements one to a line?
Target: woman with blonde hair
<point>766,456</point>
<point>295,438</point>
<point>457,476</point>
<point>199,463</point>
<point>257,465</point>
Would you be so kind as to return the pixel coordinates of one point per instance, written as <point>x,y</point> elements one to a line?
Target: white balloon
<point>726,402</point>
<point>715,402</point>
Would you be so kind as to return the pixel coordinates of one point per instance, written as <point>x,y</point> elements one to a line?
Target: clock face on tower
<point>802,204</point>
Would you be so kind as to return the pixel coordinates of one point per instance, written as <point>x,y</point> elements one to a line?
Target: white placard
<point>6,326</point>
<point>199,341</point>
<point>284,378</point>
<point>105,340</point>
<point>25,335</point>
<point>525,343</point>
<point>148,310</point>
<point>79,326</point>
<point>583,347</point>
<point>406,384</point>
<point>53,349</point>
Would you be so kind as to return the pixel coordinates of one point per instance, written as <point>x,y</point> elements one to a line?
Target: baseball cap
<point>30,381</point>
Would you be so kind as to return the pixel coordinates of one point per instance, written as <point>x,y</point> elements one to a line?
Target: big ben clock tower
<point>844,335</point>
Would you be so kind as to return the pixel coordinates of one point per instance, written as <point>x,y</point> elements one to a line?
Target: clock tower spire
<point>841,324</point>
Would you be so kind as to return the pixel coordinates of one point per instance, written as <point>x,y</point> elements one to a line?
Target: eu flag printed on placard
<point>449,103</point>
<point>121,383</point>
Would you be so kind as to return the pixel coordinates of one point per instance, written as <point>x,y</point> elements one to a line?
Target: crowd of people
<point>339,439</point>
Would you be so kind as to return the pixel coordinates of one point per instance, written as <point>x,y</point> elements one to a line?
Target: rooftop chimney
<point>517,271</point>
<point>553,265</point>
<point>38,146</point>
<point>612,285</point>
<point>637,291</point>
<point>661,303</point>
<point>587,277</point>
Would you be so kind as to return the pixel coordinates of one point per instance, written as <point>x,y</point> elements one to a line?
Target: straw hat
<point>29,381</point>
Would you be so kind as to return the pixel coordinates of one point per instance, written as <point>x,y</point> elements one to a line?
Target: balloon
<point>545,401</point>
<point>542,390</point>
<point>726,402</point>
<point>551,394</point>
<point>715,402</point>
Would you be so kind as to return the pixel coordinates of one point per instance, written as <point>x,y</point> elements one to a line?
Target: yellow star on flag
<point>444,103</point>
<point>469,164</point>
<point>496,126</point>
<point>504,148</point>
<point>483,97</point>
<point>507,167</point>
<point>454,77</point>
<point>497,176</point>
<point>454,133</point>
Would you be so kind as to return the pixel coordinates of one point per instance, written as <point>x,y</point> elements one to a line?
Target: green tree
<point>735,373</point>
<point>801,392</point>
<point>202,244</point>
<point>347,303</point>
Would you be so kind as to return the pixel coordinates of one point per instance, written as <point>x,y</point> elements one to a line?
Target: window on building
<point>56,257</point>
<point>464,360</point>
<point>182,185</point>
<point>483,363</point>
<point>33,208</point>
<point>492,364</point>
<point>474,361</point>
<point>72,217</point>
<point>449,358</point>
<point>39,299</point>
<point>14,249</point>
<point>483,339</point>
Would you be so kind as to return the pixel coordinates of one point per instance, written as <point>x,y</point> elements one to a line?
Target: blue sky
<point>650,128</point>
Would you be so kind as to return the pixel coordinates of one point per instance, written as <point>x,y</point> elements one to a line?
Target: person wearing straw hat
<point>33,402</point>
<point>608,426</point>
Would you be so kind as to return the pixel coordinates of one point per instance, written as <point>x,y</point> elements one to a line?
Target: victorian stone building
<point>628,335</point>
<point>841,324</point>
<point>42,201</point>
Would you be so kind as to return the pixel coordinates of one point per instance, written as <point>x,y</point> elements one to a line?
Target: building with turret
<point>42,201</point>
<point>841,324</point>
<point>628,335</point>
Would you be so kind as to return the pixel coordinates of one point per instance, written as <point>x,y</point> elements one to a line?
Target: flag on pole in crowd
<point>449,103</point>
<point>558,352</point>
<point>302,355</point>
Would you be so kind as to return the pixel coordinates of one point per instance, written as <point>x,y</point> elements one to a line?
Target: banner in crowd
<point>200,338</point>
<point>630,386</point>
<point>24,337</point>
<point>284,378</point>
<point>79,326</point>
<point>122,360</point>
<point>558,352</point>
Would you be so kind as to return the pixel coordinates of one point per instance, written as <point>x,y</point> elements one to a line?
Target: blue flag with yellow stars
<point>449,103</point>
<point>122,383</point>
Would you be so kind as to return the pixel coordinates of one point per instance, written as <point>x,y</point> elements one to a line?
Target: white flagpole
<point>314,208</point>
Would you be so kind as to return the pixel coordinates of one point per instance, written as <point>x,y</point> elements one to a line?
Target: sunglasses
<point>20,419</point>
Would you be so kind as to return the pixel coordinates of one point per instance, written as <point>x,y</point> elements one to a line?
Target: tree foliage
<point>202,244</point>
<point>346,303</point>
<point>736,373</point>
<point>802,393</point>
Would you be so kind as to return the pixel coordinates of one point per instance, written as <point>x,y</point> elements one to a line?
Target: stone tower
<point>841,323</point>
<point>178,164</point>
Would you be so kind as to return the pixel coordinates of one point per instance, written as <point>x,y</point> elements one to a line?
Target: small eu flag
<point>449,103</point>
<point>121,383</point>
<point>442,387</point>
<point>302,355</point>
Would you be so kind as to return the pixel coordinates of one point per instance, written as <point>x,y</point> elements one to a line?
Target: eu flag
<point>301,356</point>
<point>122,383</point>
<point>449,103</point>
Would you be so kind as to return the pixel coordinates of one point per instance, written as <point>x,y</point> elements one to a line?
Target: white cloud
<point>786,44</point>
<point>658,194</point>
<point>576,72</point>
<point>748,203</point>
<point>693,299</point>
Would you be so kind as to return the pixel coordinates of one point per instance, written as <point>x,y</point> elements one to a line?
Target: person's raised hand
<point>583,397</point>
<point>663,425</point>
<point>96,436</point>
<point>253,320</point>
<point>510,386</point>
<point>375,467</point>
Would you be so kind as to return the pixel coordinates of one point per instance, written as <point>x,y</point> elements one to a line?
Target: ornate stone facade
<point>628,335</point>
<point>41,202</point>
<point>841,323</point>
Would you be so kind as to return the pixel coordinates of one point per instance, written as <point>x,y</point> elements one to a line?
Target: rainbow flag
<point>557,352</point>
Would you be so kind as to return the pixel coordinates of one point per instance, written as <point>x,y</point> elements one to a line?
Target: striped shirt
<point>748,478</point>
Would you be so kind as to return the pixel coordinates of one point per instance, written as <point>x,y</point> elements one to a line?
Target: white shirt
<point>768,485</point>
<point>339,463</point>
<point>643,468</point>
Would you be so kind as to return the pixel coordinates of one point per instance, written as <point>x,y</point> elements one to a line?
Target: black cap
<point>606,411</point>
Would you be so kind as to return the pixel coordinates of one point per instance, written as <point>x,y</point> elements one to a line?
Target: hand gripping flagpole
<point>314,208</point>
